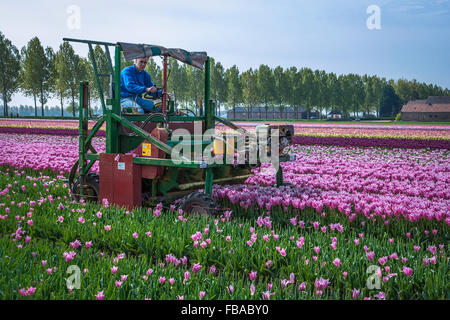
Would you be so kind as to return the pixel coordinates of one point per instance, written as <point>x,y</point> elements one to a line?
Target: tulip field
<point>364,214</point>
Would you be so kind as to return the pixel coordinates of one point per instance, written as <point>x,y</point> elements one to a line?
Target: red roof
<point>432,104</point>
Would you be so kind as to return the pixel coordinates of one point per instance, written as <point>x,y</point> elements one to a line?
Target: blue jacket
<point>134,83</point>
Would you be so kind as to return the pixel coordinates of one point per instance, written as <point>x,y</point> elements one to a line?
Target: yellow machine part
<point>225,147</point>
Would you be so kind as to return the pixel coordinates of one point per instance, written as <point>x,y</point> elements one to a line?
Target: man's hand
<point>152,89</point>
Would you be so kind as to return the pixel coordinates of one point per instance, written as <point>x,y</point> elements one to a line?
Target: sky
<point>412,41</point>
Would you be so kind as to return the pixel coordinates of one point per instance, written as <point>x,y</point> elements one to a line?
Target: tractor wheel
<point>198,203</point>
<point>91,190</point>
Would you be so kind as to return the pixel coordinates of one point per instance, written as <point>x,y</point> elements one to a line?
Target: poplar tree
<point>234,87</point>
<point>70,71</point>
<point>218,84</point>
<point>9,71</point>
<point>266,86</point>
<point>250,90</point>
<point>36,72</point>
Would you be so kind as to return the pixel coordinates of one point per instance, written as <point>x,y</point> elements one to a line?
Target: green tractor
<point>171,155</point>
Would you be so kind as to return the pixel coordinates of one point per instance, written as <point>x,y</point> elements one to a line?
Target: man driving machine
<point>134,81</point>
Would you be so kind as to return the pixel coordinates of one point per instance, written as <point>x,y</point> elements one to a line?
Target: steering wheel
<point>189,110</point>
<point>157,96</point>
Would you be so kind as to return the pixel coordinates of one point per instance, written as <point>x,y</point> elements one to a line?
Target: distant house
<point>335,114</point>
<point>262,113</point>
<point>270,113</point>
<point>237,113</point>
<point>431,109</point>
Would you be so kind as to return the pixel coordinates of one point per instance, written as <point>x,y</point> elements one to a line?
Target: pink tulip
<point>393,256</point>
<point>337,262</point>
<point>212,270</point>
<point>69,256</point>
<point>407,271</point>
<point>380,296</point>
<point>382,260</point>
<point>321,284</point>
<point>355,294</point>
<point>293,221</point>
<point>252,289</point>
<point>196,267</point>
<point>302,286</point>
<point>76,244</point>
<point>100,295</point>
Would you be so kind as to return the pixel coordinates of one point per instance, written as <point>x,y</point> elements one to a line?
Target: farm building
<point>335,114</point>
<point>431,109</point>
<point>262,113</point>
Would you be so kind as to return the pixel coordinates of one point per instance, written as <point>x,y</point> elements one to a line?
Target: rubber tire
<point>202,202</point>
<point>92,180</point>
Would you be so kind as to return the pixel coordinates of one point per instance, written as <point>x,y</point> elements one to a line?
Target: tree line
<point>42,73</point>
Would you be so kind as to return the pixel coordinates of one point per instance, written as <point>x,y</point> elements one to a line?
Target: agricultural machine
<point>138,167</point>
